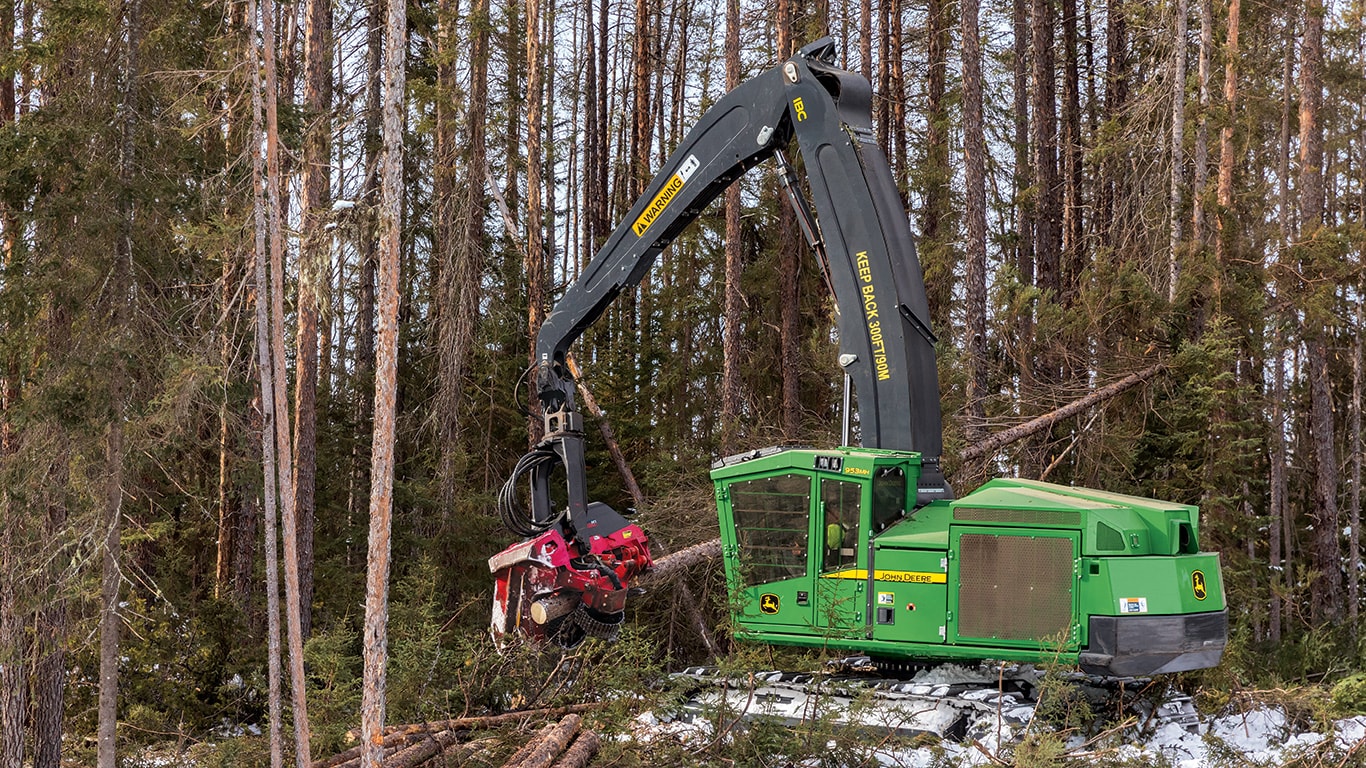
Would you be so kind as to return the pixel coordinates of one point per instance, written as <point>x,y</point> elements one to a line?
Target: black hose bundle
<point>514,516</point>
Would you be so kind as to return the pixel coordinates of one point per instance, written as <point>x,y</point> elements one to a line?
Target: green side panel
<point>1115,586</point>
<point>926,528</point>
<point>776,604</point>
<point>910,595</point>
<point>1014,588</point>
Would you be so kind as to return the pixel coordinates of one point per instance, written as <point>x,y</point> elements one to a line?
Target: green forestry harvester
<point>858,548</point>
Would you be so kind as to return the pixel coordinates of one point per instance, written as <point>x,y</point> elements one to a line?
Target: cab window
<point>772,522</point>
<point>889,497</point>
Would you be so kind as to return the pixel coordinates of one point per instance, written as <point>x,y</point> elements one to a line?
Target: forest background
<point>1172,188</point>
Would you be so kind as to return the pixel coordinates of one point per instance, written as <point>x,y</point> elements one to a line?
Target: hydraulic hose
<point>516,517</point>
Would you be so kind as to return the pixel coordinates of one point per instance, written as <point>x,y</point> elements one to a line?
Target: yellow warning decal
<point>665,196</point>
<point>903,577</point>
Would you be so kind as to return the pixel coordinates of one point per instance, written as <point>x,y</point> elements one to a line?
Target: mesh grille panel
<point>1014,587</point>
<point>1108,539</point>
<point>1037,516</point>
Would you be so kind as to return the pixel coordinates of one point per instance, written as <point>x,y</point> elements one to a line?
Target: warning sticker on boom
<point>666,195</point>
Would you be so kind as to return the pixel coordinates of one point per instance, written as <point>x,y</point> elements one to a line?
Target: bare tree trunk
<point>284,460</point>
<point>1277,481</point>
<point>112,519</point>
<point>13,650</point>
<point>314,258</point>
<point>1201,177</point>
<point>376,635</point>
<point>1354,500</point>
<point>1023,170</point>
<point>937,241</point>
<point>1327,547</point>
<point>49,672</point>
<point>731,352</point>
<point>535,266</point>
<point>1224,234</point>
<point>974,174</point>
<point>1175,218</point>
<point>1073,251</point>
<point>264,190</point>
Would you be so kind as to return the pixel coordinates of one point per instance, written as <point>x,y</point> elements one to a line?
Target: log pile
<point>560,744</point>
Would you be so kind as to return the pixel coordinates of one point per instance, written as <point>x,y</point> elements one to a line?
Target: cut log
<point>544,751</point>
<point>401,735</point>
<point>1034,426</point>
<point>670,566</point>
<point>584,748</point>
<point>521,754</point>
<point>422,751</point>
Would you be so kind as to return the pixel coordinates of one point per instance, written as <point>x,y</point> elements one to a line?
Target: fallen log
<point>549,747</point>
<point>669,566</point>
<point>520,755</point>
<point>422,751</point>
<point>584,749</point>
<point>405,733</point>
<point>1039,424</point>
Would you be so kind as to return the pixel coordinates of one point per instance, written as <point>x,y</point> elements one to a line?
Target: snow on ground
<point>1261,737</point>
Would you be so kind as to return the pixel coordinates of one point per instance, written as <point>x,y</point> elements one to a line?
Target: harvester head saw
<point>569,577</point>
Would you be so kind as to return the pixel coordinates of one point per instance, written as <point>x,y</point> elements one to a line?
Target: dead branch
<point>584,749</point>
<point>1041,423</point>
<point>605,427</point>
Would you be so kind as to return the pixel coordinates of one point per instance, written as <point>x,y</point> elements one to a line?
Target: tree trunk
<point>1073,251</point>
<point>1201,173</point>
<point>13,649</point>
<point>122,285</point>
<point>938,240</point>
<point>1224,234</point>
<point>1354,500</point>
<point>1277,481</point>
<point>314,258</point>
<point>535,266</point>
<point>1327,547</point>
<point>974,175</point>
<point>1044,137</point>
<point>386,372</point>
<point>1178,140</point>
<point>49,672</point>
<point>283,452</point>
<point>731,350</point>
<point>1024,175</point>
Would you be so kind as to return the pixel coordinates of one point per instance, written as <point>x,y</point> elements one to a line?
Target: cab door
<point>841,599</point>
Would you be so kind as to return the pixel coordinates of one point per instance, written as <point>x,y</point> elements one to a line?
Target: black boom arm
<point>885,340</point>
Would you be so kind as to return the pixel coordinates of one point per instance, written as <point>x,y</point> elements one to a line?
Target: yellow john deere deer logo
<point>768,603</point>
<point>1198,585</point>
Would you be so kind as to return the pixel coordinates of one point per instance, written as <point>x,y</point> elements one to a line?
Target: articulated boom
<point>864,242</point>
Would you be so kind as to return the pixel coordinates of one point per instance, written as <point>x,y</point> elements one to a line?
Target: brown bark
<point>1073,250</point>
<point>386,371</point>
<point>937,236</point>
<point>1034,426</point>
<point>424,750</point>
<point>1224,211</point>
<point>534,264</point>
<point>1023,175</point>
<point>974,182</point>
<point>1277,481</point>
<point>122,293</point>
<point>1327,599</point>
<point>731,352</point>
<point>672,566</point>
<point>544,750</point>
<point>1200,178</point>
<point>49,671</point>
<point>13,651</point>
<point>581,752</point>
<point>283,450</point>
<point>1044,141</point>
<point>865,28</point>
<point>313,279</point>
<point>608,437</point>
